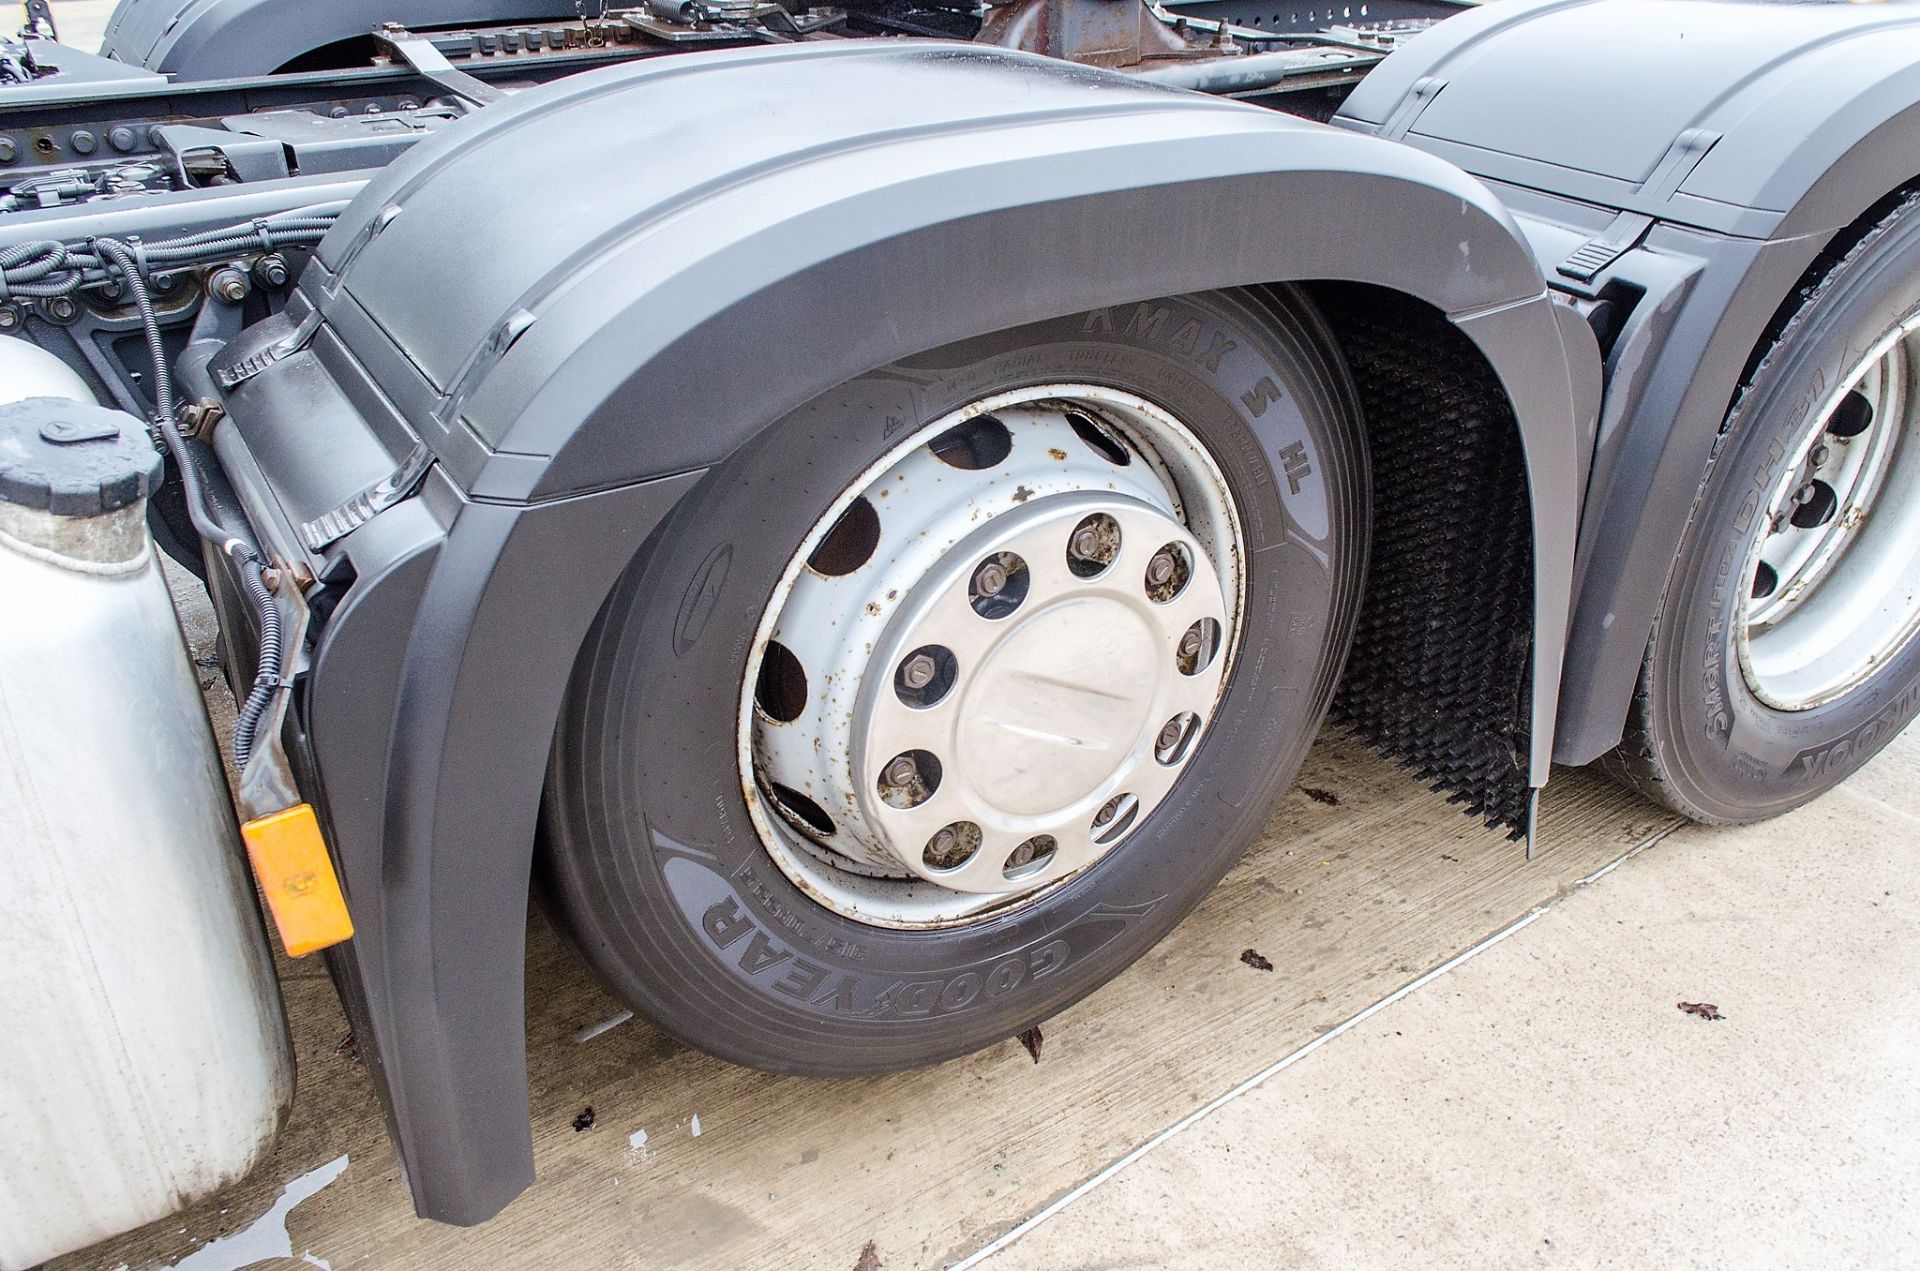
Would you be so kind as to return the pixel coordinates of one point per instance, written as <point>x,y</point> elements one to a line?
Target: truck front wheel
<point>1784,654</point>
<point>948,696</point>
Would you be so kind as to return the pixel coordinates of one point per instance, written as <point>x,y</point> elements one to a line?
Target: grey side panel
<point>1721,114</point>
<point>225,39</point>
<point>1676,371</point>
<point>688,250</point>
<point>1746,135</point>
<point>434,820</point>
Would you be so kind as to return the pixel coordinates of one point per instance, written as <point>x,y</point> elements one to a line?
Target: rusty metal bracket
<point>425,57</point>
<point>1111,33</point>
<point>40,19</point>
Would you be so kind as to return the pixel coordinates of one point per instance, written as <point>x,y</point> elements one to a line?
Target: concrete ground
<point>1550,1102</point>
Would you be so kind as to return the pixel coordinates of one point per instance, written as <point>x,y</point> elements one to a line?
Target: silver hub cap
<point>993,658</point>
<point>1833,580</point>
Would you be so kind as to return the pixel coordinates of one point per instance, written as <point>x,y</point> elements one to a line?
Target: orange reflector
<point>296,874</point>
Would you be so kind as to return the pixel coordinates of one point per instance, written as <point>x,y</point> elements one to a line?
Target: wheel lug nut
<point>1820,455</point>
<point>1170,734</point>
<point>1190,644</point>
<point>1160,568</point>
<point>1108,811</point>
<point>1803,494</point>
<point>1093,545</point>
<point>918,671</point>
<point>951,846</point>
<point>909,779</point>
<point>999,585</point>
<point>1021,855</point>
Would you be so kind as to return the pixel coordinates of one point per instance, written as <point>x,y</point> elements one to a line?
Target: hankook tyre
<point>943,700</point>
<point>1784,654</point>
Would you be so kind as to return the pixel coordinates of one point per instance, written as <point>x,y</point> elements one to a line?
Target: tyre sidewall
<point>1733,757</point>
<point>677,901</point>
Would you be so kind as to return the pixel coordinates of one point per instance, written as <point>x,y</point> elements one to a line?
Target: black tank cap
<point>73,458</point>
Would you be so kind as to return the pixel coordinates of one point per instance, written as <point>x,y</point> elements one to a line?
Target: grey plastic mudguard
<point>1748,134</point>
<point>585,295</point>
<point>228,39</point>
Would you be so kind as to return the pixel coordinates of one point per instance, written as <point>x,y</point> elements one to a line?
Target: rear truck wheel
<point>946,698</point>
<point>1784,655</point>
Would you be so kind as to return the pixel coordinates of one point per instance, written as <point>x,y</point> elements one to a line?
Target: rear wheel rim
<point>1831,588</point>
<point>992,658</point>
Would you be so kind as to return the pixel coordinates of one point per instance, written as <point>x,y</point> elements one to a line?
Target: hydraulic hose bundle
<point>48,269</point>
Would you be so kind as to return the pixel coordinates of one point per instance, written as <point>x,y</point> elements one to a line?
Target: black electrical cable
<point>269,679</point>
<point>270,675</point>
<point>122,257</point>
<point>49,268</point>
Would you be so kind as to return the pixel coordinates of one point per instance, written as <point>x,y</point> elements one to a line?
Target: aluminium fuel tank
<point>144,1060</point>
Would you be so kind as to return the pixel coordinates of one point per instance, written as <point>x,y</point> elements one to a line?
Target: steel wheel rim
<point>1831,586</point>
<point>1044,727</point>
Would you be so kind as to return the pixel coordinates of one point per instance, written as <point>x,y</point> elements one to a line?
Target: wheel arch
<point>1721,310</point>
<point>1717,152</point>
<point>228,39</point>
<point>574,375</point>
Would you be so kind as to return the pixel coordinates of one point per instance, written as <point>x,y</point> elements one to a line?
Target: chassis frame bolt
<point>230,285</point>
<point>271,270</point>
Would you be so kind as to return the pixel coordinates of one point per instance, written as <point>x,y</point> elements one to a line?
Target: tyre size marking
<point>1714,673</point>
<point>794,924</point>
<point>1719,714</point>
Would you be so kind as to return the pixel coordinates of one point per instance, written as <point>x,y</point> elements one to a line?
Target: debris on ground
<point>1318,795</point>
<point>1031,1039</point>
<point>585,1120</point>
<point>592,1031</point>
<point>1705,1010</point>
<point>870,1254</point>
<point>1255,961</point>
<point>348,1047</point>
